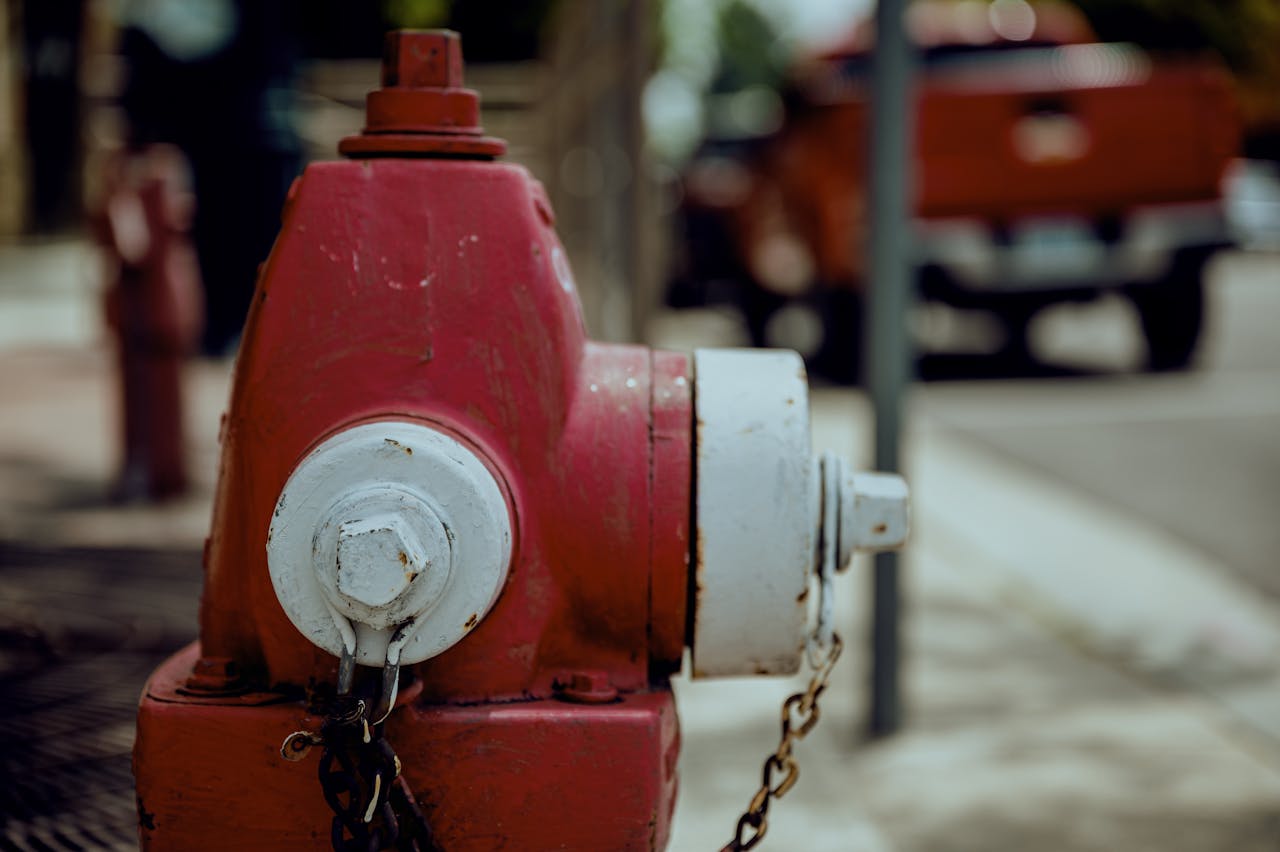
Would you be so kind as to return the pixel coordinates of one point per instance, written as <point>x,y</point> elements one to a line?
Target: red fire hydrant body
<point>423,283</point>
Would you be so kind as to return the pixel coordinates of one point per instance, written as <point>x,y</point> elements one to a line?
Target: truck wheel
<point>1016,318</point>
<point>758,307</point>
<point>1172,314</point>
<point>839,359</point>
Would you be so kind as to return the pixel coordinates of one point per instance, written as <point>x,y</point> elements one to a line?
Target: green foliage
<point>749,49</point>
<point>416,14</point>
<point>1245,33</point>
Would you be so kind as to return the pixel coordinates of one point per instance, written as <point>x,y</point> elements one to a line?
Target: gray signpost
<point>888,348</point>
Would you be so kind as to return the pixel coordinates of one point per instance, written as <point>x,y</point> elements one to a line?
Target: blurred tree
<point>749,48</point>
<point>416,14</point>
<point>51,33</point>
<point>499,30</point>
<point>1245,33</point>
<point>342,29</point>
<point>492,30</point>
<point>215,78</point>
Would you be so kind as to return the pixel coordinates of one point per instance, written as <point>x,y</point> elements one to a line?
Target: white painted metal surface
<point>773,524</point>
<point>875,512</point>
<point>756,512</point>
<point>389,528</point>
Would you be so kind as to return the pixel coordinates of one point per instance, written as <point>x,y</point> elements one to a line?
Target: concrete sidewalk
<point>1075,681</point>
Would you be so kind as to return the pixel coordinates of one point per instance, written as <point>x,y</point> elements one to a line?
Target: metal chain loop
<point>356,771</point>
<point>800,713</point>
<point>373,807</point>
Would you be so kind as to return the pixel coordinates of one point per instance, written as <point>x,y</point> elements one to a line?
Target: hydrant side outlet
<point>756,512</point>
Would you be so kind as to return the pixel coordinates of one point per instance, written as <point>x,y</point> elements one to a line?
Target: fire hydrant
<point>153,306</point>
<point>458,549</point>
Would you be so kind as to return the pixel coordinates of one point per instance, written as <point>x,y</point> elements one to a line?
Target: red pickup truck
<point>1048,169</point>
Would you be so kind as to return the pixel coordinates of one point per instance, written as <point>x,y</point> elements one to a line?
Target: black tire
<point>839,358</point>
<point>758,306</point>
<point>1172,314</point>
<point>1015,317</point>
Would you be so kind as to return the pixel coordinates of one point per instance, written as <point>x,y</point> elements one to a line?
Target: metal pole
<point>888,348</point>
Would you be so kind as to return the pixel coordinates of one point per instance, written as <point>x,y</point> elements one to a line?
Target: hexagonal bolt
<point>378,557</point>
<point>875,513</point>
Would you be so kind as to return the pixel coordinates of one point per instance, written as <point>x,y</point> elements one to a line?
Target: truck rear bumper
<point>1057,253</point>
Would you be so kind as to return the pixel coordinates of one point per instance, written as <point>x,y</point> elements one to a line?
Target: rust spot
<point>404,558</point>
<point>586,687</point>
<point>394,443</point>
<point>471,621</point>
<point>146,819</point>
<point>699,544</point>
<point>880,529</point>
<point>804,596</point>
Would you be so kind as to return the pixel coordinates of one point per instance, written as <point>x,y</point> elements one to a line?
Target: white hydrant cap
<point>389,526</point>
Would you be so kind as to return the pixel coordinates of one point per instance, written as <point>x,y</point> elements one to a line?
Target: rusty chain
<point>360,776</point>
<point>800,714</point>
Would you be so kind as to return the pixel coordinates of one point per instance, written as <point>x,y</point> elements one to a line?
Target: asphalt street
<point>1195,453</point>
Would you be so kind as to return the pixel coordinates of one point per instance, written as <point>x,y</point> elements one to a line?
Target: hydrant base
<point>583,777</point>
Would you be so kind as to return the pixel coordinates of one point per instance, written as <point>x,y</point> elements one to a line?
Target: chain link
<point>373,807</point>
<point>800,713</point>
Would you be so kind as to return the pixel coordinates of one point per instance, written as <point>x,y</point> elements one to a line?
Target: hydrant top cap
<point>422,110</point>
<point>422,59</point>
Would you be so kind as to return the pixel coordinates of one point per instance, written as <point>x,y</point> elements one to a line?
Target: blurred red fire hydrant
<point>153,306</point>
<point>458,549</point>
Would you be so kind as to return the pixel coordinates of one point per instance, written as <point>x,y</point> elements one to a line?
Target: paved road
<point>1196,453</point>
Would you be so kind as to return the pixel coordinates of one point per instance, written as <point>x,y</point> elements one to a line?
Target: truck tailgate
<point>1087,129</point>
